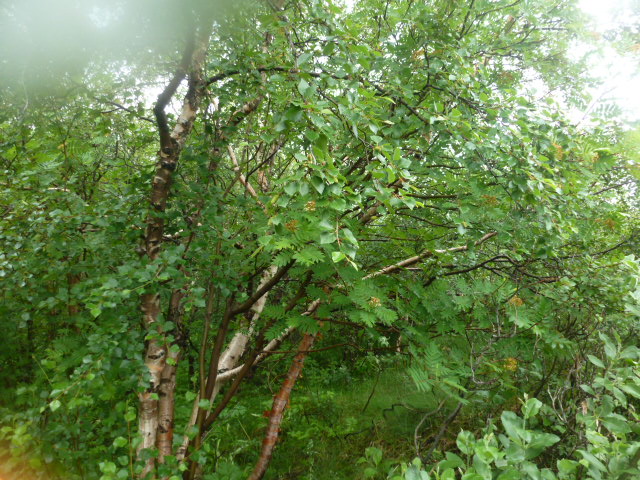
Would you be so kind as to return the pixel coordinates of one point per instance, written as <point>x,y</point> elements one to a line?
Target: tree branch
<point>426,254</point>
<point>247,304</point>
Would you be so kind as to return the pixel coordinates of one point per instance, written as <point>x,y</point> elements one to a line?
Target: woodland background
<point>311,240</point>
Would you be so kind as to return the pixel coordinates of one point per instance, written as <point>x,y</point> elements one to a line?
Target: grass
<point>329,426</point>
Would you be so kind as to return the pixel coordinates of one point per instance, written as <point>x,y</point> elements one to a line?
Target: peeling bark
<point>157,401</point>
<point>280,402</point>
<point>167,387</point>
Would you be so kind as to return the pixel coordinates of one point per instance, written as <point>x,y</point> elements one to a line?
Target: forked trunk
<point>157,404</point>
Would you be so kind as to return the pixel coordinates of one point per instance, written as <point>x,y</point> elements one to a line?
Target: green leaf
<point>472,475</point>
<point>318,184</point>
<point>291,188</point>
<point>120,442</point>
<point>338,204</point>
<point>282,243</point>
<point>374,455</point>
<point>447,474</point>
<point>309,256</point>
<point>632,389</point>
<point>349,236</point>
<point>337,256</point>
<point>130,415</point>
<point>55,405</point>
<point>370,472</point>
<point>327,237</point>
<point>610,349</point>
<point>596,361</point>
<point>415,473</point>
<point>531,408</point>
<point>539,443</point>
<point>303,86</point>
<point>592,460</point>
<point>465,442</point>
<point>304,58</point>
<point>513,425</point>
<point>566,467</point>
<point>294,114</point>
<point>452,461</point>
<point>510,474</point>
<point>481,467</point>
<point>616,424</point>
<point>108,467</point>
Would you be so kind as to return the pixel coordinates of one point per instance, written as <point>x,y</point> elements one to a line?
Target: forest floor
<point>329,426</point>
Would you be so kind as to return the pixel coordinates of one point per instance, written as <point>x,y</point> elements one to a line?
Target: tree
<point>379,175</point>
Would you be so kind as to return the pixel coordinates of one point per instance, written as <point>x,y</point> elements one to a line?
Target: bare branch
<point>426,254</point>
<point>247,304</point>
<point>243,180</point>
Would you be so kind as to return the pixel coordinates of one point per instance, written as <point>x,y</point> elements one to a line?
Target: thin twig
<point>417,430</point>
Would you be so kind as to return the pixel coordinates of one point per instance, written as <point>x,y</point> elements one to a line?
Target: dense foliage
<point>383,205</point>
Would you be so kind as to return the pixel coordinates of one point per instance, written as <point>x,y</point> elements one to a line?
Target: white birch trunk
<point>229,358</point>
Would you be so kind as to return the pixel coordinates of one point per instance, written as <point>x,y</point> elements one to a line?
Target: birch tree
<point>378,178</point>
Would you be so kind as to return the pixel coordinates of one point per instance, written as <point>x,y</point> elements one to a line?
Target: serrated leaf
<point>631,389</point>
<point>349,236</point>
<point>291,188</point>
<point>327,237</point>
<point>304,58</point>
<point>309,256</point>
<point>282,243</point>
<point>303,86</point>
<point>318,184</point>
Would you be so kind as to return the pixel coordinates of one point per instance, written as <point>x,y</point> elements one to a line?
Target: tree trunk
<point>166,391</point>
<point>157,401</point>
<point>225,362</point>
<point>280,402</point>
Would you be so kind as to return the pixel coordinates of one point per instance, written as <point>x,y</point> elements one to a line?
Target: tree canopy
<point>201,201</point>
